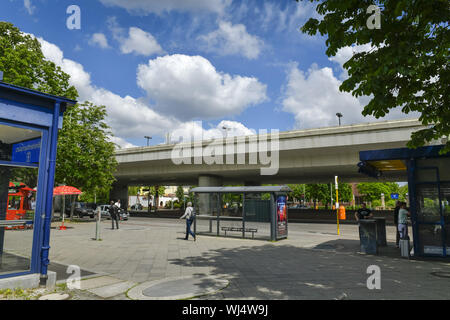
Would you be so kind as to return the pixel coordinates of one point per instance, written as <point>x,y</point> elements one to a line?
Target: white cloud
<point>140,42</point>
<point>231,39</point>
<point>194,130</point>
<point>29,6</point>
<point>314,99</point>
<point>145,7</point>
<point>128,117</point>
<point>137,41</point>
<point>99,39</point>
<point>344,54</point>
<point>189,87</point>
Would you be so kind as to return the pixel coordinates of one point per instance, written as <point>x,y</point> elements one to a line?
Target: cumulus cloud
<point>231,39</point>
<point>127,116</point>
<point>344,54</point>
<point>313,97</point>
<point>194,131</point>
<point>140,42</point>
<point>189,87</point>
<point>99,39</point>
<point>137,41</point>
<point>145,7</point>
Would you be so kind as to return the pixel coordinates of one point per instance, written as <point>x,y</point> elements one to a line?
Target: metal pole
<point>337,204</point>
<point>49,189</point>
<point>97,225</point>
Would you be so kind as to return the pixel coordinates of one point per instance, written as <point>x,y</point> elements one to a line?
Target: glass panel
<point>441,163</point>
<point>427,202</point>
<point>445,202</point>
<point>431,239</point>
<point>19,157</point>
<point>426,175</point>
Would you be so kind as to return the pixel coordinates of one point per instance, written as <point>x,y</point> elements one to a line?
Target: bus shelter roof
<point>248,189</point>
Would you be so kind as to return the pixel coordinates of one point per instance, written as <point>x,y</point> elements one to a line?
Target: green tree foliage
<point>345,192</point>
<point>298,191</point>
<point>85,156</point>
<point>23,64</point>
<point>180,194</point>
<point>373,190</point>
<point>318,191</point>
<point>408,66</point>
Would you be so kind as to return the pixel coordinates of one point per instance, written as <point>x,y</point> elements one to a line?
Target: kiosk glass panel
<point>20,150</point>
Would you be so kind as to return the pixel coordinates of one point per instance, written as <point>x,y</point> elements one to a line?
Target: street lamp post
<point>148,139</point>
<point>339,115</point>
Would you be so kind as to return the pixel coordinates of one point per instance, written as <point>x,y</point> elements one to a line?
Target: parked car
<point>81,209</point>
<point>104,211</point>
<point>299,206</point>
<point>137,206</point>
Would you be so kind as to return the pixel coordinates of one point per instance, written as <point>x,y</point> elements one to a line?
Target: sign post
<point>337,202</point>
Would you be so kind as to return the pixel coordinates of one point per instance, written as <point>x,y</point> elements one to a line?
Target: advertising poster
<point>281,217</point>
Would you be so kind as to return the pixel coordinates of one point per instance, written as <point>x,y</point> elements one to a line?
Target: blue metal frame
<point>47,120</point>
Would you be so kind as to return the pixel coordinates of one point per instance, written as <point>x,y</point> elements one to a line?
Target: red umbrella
<point>63,190</point>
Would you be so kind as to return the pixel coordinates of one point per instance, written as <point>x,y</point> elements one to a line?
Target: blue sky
<point>162,66</point>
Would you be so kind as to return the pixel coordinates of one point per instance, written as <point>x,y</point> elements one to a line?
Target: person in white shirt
<point>189,215</point>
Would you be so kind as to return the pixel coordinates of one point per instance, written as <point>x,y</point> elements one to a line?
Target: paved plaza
<point>313,263</point>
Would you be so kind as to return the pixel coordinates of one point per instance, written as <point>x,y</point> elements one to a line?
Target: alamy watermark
<point>374,280</point>
<point>259,149</point>
<point>74,280</point>
<point>374,21</point>
<point>74,20</point>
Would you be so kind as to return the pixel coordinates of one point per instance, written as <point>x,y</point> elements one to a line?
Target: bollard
<point>97,225</point>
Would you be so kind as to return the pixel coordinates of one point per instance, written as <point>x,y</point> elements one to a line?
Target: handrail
<point>8,223</point>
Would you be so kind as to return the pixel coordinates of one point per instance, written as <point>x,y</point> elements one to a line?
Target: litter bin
<point>381,231</point>
<point>368,236</point>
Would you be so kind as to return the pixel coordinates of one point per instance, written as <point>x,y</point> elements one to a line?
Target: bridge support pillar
<point>207,204</point>
<point>119,191</point>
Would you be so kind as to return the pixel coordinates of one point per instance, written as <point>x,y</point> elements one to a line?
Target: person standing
<point>396,211</point>
<point>190,216</point>
<point>403,214</point>
<point>363,213</point>
<point>114,212</point>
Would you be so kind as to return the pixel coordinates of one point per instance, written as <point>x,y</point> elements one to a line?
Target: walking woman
<point>189,215</point>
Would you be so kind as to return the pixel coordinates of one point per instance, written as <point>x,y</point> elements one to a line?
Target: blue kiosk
<point>428,174</point>
<point>29,123</point>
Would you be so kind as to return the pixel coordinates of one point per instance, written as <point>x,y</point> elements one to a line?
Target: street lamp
<point>148,139</point>
<point>226,131</point>
<point>339,115</point>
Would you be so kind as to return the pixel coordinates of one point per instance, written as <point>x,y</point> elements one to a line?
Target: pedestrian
<point>114,213</point>
<point>190,216</point>
<point>403,214</point>
<point>363,213</point>
<point>396,211</point>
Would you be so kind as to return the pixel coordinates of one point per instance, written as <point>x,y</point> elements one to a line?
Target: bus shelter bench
<point>252,230</point>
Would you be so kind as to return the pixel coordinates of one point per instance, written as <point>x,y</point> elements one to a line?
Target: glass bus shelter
<point>247,212</point>
<point>428,173</point>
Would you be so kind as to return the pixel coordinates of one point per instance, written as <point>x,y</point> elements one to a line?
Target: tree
<point>408,65</point>
<point>23,64</point>
<point>180,194</point>
<point>373,190</point>
<point>319,191</point>
<point>85,157</point>
<point>345,192</point>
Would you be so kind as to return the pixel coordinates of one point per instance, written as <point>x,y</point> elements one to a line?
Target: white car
<point>104,212</point>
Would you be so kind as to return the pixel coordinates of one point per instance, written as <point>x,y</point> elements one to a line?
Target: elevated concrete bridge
<point>305,156</point>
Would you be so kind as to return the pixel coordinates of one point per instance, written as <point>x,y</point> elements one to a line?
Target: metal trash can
<point>368,236</point>
<point>381,231</point>
<point>405,247</point>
